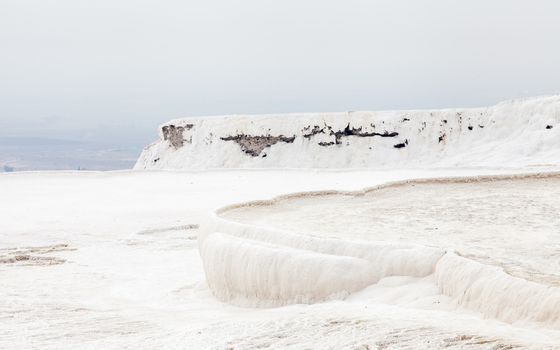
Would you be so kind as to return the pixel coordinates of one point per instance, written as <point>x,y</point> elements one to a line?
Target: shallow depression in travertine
<point>513,223</point>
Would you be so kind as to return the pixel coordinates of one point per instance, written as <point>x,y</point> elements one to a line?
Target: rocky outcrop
<point>254,145</point>
<point>515,132</point>
<point>174,134</point>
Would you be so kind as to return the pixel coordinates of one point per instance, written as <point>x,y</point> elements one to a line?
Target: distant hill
<point>518,132</point>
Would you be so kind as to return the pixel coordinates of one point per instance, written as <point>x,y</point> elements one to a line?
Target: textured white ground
<point>110,260</point>
<point>513,224</point>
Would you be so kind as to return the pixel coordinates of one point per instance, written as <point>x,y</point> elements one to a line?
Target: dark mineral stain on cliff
<point>174,134</point>
<point>401,145</point>
<point>253,145</point>
<point>309,132</point>
<point>348,131</point>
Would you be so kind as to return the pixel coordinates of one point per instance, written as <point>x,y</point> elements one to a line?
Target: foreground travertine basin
<point>491,243</point>
<point>513,224</point>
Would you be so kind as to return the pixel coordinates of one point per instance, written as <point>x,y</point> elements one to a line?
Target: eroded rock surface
<point>174,134</point>
<point>253,145</point>
<point>339,134</point>
<point>348,131</point>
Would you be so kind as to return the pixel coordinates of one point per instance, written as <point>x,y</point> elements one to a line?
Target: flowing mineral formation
<point>255,264</point>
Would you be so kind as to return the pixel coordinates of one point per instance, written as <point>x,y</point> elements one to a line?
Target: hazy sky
<point>99,68</point>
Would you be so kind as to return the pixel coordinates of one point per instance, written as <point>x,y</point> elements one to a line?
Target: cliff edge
<point>513,133</point>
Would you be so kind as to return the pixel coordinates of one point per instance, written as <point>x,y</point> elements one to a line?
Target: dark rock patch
<point>253,145</point>
<point>348,131</point>
<point>549,126</point>
<point>309,132</point>
<point>313,131</point>
<point>174,134</point>
<point>470,127</point>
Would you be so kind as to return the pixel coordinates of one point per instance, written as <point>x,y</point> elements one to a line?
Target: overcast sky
<point>99,68</point>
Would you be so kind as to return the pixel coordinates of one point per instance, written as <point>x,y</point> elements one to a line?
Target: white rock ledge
<point>513,133</point>
<point>258,266</point>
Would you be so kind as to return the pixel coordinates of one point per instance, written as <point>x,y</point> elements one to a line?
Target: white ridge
<point>519,132</point>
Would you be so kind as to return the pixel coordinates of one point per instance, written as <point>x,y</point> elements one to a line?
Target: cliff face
<point>515,133</point>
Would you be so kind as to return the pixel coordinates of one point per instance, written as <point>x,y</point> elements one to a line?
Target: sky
<point>113,70</point>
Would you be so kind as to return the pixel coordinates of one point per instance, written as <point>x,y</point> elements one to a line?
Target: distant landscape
<point>31,153</point>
